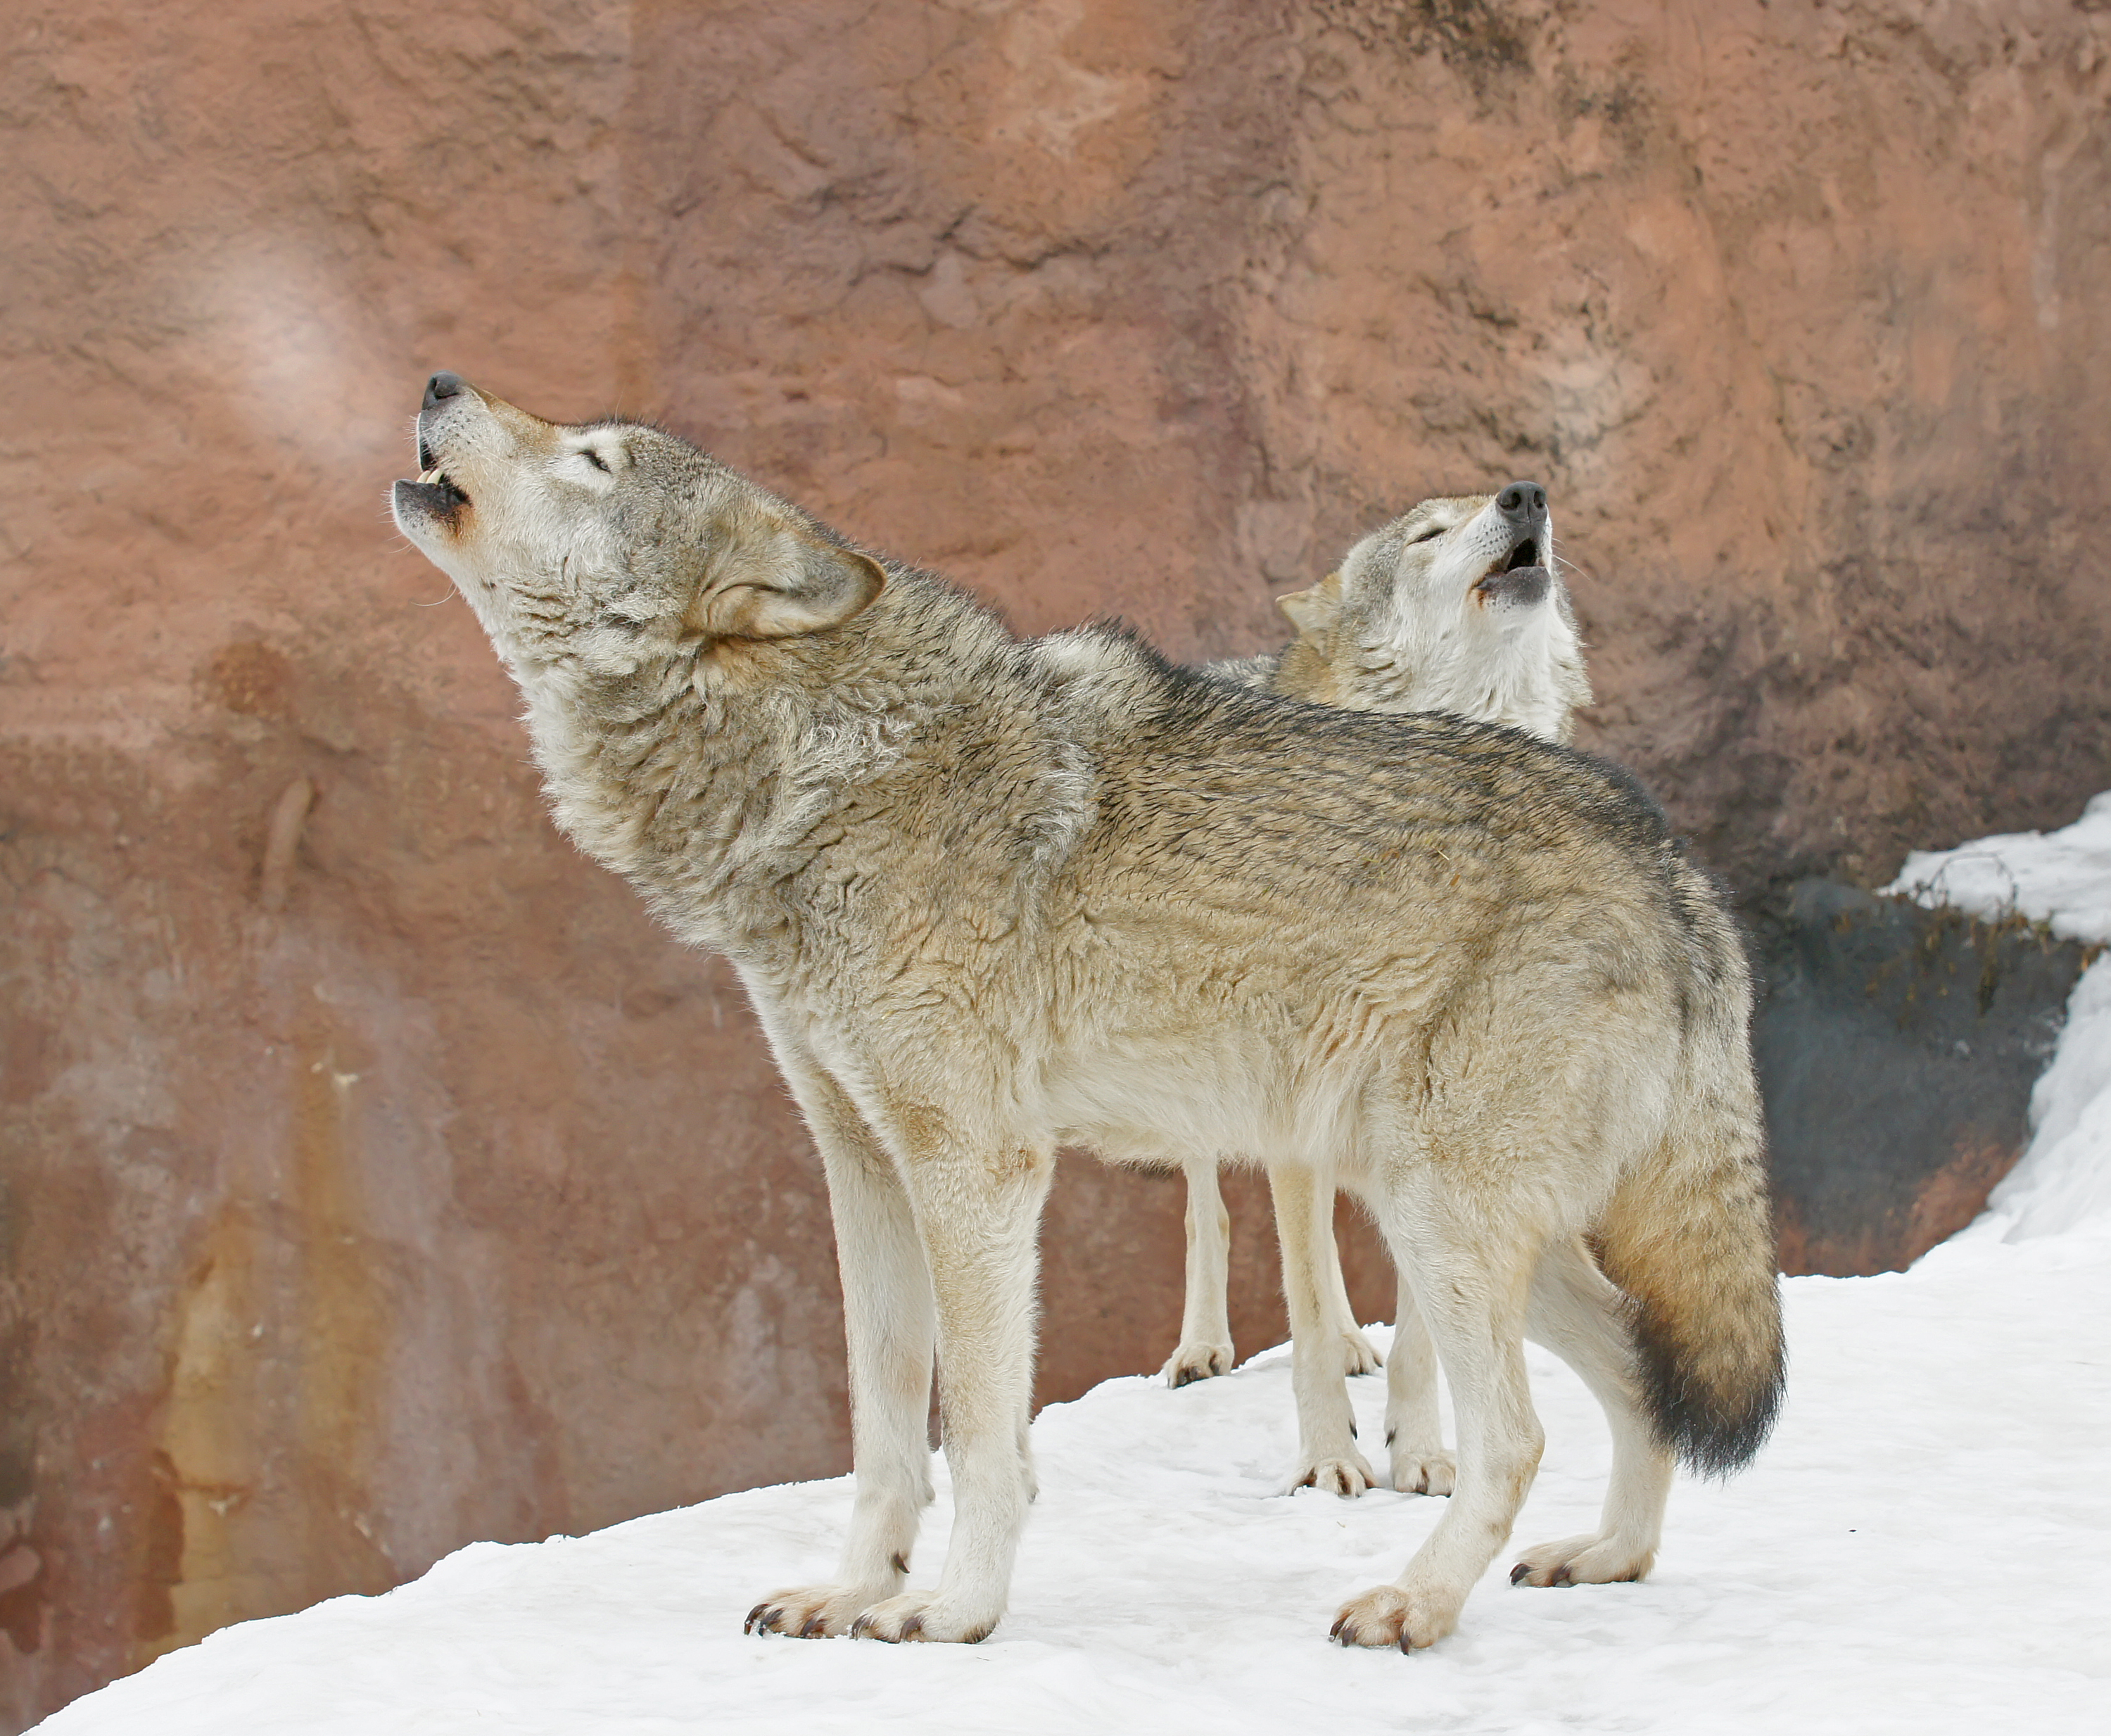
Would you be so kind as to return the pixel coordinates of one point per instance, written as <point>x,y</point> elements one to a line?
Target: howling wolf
<point>1454,606</point>
<point>992,897</point>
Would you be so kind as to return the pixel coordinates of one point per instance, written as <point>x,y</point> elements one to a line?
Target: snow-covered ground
<point>1920,1549</point>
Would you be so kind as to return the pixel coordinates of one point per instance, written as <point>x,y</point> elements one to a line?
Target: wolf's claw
<point>1347,1477</point>
<point>1386,1616</point>
<point>811,1611</point>
<point>1583,1561</point>
<point>1196,1362</point>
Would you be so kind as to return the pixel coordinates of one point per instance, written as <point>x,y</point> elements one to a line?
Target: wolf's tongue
<point>1520,584</point>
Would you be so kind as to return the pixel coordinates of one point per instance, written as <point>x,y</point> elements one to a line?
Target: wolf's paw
<point>1348,1475</point>
<point>921,1616</point>
<point>1358,1356</point>
<point>1385,1616</point>
<point>1581,1561</point>
<point>1424,1471</point>
<point>812,1611</point>
<point>1196,1360</point>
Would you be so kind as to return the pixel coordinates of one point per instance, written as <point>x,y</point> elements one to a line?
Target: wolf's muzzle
<point>434,495</point>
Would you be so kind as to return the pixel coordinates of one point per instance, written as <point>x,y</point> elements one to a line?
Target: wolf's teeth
<point>428,478</point>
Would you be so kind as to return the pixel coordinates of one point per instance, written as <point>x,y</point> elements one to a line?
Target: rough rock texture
<point>397,1185</point>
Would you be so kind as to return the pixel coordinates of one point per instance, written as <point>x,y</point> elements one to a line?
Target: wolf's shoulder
<point>1458,762</point>
<point>1148,720</point>
<point>1255,672</point>
<point>1107,676</point>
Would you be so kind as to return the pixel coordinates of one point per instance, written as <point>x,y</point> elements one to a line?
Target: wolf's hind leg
<point>1579,1315</point>
<point>1414,1429</point>
<point>1472,1285</point>
<point>979,1214</point>
<point>887,1327</point>
<point>1327,1456</point>
<point>1206,1326</point>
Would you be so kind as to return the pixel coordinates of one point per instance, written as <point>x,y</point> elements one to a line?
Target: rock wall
<point>397,1185</point>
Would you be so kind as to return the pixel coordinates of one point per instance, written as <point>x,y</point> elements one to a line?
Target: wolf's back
<point>1689,1234</point>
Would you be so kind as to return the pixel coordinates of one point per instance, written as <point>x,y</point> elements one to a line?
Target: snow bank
<point>2061,878</point>
<point>1913,1553</point>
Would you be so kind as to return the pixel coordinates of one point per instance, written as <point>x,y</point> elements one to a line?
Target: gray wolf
<point>992,897</point>
<point>1454,606</point>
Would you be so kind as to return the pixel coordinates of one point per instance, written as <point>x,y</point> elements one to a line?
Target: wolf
<point>991,897</point>
<point>1455,605</point>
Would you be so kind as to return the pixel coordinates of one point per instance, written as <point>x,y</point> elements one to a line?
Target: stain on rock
<point>263,1471</point>
<point>250,678</point>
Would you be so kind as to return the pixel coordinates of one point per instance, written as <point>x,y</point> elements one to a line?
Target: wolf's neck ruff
<point>1528,684</point>
<point>718,777</point>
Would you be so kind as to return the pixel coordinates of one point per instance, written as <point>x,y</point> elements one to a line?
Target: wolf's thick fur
<point>992,897</point>
<point>1455,606</point>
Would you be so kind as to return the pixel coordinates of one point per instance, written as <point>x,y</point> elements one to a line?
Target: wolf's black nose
<point>441,386</point>
<point>1523,504</point>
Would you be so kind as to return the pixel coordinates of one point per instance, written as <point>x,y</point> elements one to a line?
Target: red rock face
<point>416,1190</point>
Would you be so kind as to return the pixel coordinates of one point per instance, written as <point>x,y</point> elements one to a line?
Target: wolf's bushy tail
<point>1689,1235</point>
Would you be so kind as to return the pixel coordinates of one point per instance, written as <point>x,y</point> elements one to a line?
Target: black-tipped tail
<point>1714,1412</point>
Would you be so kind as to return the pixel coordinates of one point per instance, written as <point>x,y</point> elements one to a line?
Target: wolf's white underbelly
<point>1142,1098</point>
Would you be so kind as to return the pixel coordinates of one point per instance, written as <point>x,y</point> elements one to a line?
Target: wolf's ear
<point>785,582</point>
<point>1312,611</point>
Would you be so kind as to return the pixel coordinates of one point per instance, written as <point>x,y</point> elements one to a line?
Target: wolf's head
<point>1452,607</point>
<point>603,546</point>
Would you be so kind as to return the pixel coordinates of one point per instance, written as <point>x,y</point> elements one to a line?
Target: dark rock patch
<point>1896,1049</point>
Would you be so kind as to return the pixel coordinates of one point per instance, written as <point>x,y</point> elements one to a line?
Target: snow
<point>2062,878</point>
<point>1917,1550</point>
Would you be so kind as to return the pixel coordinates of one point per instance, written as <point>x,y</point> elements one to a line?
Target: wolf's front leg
<point>1415,1430</point>
<point>1327,1456</point>
<point>1358,1356</point>
<point>1206,1326</point>
<point>979,1217</point>
<point>887,1328</point>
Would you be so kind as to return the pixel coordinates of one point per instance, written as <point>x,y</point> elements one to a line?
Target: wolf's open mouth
<point>430,475</point>
<point>447,497</point>
<point>1524,555</point>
